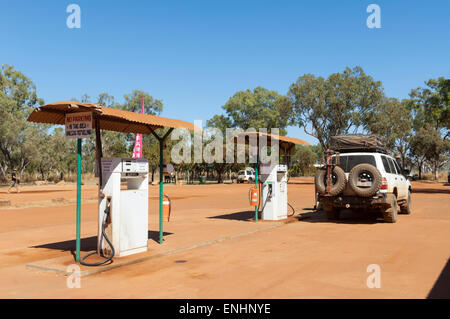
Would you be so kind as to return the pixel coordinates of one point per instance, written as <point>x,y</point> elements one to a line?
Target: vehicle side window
<point>399,171</point>
<point>392,166</point>
<point>385,164</point>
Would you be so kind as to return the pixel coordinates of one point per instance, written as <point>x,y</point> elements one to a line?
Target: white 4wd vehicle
<point>367,180</point>
<point>246,175</point>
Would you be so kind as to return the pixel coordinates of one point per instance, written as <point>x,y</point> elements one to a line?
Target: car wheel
<point>365,171</point>
<point>406,207</point>
<point>390,214</point>
<point>338,176</point>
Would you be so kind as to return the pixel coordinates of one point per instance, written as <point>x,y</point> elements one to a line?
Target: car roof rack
<point>357,143</point>
<point>363,150</point>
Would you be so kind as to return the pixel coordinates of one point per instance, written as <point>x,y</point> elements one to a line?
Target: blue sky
<point>195,54</point>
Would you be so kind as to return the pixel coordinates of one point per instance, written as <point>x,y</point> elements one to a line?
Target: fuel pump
<point>125,191</point>
<point>274,191</point>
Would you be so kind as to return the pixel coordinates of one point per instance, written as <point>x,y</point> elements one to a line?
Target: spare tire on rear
<point>339,180</point>
<point>365,173</point>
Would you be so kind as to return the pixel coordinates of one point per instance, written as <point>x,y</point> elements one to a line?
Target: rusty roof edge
<point>286,139</point>
<point>63,107</point>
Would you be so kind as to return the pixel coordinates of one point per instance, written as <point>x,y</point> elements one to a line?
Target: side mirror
<point>406,171</point>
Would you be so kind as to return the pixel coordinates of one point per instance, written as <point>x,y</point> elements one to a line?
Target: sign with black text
<point>79,125</point>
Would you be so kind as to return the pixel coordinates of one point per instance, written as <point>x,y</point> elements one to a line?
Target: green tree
<point>133,103</point>
<point>17,98</point>
<point>257,109</point>
<point>305,157</point>
<point>340,104</point>
<point>150,151</point>
<point>221,123</point>
<point>392,120</point>
<point>62,152</point>
<point>431,112</point>
<point>114,144</point>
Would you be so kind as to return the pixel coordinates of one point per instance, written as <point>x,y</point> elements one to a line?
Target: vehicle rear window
<point>241,173</point>
<point>347,162</point>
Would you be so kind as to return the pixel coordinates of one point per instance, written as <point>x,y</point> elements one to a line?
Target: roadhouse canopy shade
<point>110,119</point>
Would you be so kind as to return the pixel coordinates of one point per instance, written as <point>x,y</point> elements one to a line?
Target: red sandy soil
<point>309,257</point>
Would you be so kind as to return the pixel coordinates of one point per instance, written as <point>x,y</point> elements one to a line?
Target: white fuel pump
<point>126,222</point>
<point>274,191</point>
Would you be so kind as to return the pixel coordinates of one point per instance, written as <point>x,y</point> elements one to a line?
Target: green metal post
<point>256,184</point>
<point>161,179</point>
<point>77,257</point>
<point>161,193</point>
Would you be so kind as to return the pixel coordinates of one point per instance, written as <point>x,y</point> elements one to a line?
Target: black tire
<point>405,208</point>
<point>390,214</point>
<point>339,177</point>
<point>332,212</point>
<point>369,170</point>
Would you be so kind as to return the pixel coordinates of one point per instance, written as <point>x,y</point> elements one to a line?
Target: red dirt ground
<point>310,257</point>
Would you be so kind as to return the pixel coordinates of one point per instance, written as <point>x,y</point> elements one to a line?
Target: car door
<point>390,173</point>
<point>403,183</point>
<point>399,179</point>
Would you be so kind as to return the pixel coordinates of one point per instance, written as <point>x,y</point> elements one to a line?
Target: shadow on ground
<point>347,216</point>
<point>154,235</point>
<point>441,288</point>
<point>300,183</point>
<point>89,243</point>
<point>242,216</point>
<point>431,190</point>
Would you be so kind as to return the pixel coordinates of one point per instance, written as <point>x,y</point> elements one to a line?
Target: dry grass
<point>442,177</point>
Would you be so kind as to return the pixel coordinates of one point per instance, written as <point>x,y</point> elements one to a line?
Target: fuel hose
<point>107,259</point>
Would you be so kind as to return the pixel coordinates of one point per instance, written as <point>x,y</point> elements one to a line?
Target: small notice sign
<point>79,125</point>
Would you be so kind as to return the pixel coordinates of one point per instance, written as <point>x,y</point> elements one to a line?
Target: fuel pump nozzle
<point>270,191</point>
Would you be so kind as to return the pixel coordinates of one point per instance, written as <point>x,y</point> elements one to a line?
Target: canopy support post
<point>98,151</point>
<point>77,255</point>
<point>161,179</point>
<point>256,178</point>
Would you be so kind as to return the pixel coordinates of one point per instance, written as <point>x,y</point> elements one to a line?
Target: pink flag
<point>137,151</point>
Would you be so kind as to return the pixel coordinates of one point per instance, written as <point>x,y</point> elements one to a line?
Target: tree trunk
<point>436,169</point>
<point>420,170</point>
<point>219,168</point>
<point>4,171</point>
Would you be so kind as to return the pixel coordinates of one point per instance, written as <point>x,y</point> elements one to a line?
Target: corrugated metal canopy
<point>110,119</point>
<point>281,139</point>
